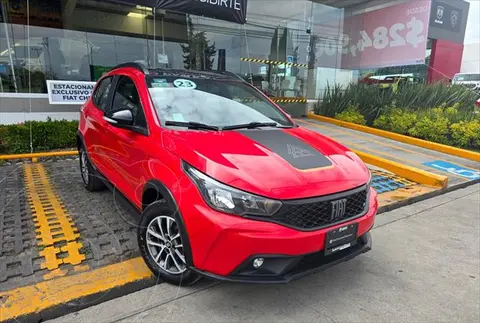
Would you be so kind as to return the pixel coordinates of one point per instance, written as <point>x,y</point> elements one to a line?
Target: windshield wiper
<point>250,125</point>
<point>191,125</point>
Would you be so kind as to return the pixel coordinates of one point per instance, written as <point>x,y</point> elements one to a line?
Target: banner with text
<point>392,36</point>
<point>229,10</point>
<point>69,92</point>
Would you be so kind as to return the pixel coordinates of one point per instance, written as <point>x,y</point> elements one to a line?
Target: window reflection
<point>80,40</point>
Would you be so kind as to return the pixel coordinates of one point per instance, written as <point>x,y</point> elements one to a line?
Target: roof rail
<point>136,65</point>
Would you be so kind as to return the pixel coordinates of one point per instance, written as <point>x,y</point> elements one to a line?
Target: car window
<point>126,97</point>
<point>211,101</point>
<point>100,97</point>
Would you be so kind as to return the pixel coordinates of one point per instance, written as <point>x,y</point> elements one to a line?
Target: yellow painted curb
<point>47,294</point>
<point>35,156</point>
<point>467,154</point>
<point>408,172</point>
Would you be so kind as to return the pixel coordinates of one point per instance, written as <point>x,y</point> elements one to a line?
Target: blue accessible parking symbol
<point>469,173</point>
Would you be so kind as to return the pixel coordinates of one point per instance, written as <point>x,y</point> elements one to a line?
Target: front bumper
<point>222,245</point>
<point>291,268</point>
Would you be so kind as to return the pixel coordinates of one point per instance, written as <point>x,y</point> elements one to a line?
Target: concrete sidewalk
<point>424,266</point>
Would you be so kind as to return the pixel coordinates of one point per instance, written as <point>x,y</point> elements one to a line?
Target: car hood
<point>277,163</point>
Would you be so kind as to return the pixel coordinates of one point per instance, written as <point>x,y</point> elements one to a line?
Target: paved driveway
<point>463,170</point>
<point>424,267</point>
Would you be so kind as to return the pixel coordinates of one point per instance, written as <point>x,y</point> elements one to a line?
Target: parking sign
<point>469,173</point>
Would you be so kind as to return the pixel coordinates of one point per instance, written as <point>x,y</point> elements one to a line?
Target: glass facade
<point>81,39</point>
<point>307,41</point>
<point>418,71</point>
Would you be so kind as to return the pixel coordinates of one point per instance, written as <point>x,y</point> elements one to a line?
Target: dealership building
<point>288,49</point>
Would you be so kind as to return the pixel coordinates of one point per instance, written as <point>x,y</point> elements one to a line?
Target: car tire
<point>162,242</point>
<point>90,177</point>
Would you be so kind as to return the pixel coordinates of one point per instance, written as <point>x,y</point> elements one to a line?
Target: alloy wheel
<point>165,244</point>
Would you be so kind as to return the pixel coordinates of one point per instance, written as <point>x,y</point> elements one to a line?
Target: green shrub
<point>466,134</point>
<point>427,96</point>
<point>370,100</point>
<point>435,112</point>
<point>45,135</point>
<point>433,126</point>
<point>333,102</point>
<point>452,112</point>
<point>351,114</point>
<point>373,101</point>
<point>3,131</point>
<point>396,120</point>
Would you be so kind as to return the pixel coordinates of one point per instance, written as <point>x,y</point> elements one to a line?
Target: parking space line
<point>384,182</point>
<point>55,230</point>
<point>28,300</point>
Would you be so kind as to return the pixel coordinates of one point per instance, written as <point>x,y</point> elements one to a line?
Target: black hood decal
<point>296,152</point>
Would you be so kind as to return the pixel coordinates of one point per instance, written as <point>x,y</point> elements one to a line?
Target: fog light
<point>257,262</point>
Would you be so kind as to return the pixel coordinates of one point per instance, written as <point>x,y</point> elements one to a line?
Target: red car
<point>228,186</point>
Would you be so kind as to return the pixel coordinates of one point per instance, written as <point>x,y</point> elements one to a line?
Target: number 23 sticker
<point>186,84</point>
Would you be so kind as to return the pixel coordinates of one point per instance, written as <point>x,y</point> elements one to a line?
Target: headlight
<point>228,199</point>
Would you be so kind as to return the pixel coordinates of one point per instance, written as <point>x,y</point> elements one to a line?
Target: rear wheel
<point>90,177</point>
<point>162,246</point>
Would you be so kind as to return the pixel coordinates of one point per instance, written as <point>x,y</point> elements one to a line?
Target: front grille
<point>317,213</point>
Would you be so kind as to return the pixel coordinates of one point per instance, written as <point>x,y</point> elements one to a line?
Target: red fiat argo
<point>226,185</point>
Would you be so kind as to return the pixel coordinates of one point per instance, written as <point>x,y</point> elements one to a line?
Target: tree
<point>197,53</point>
<point>311,83</point>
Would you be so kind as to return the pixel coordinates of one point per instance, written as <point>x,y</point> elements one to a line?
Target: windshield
<point>466,77</point>
<point>219,103</point>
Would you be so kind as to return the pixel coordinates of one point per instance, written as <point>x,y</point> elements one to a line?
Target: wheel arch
<point>80,141</point>
<point>154,190</point>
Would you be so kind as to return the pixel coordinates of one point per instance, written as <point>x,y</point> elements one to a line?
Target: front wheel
<point>90,179</point>
<point>162,246</point>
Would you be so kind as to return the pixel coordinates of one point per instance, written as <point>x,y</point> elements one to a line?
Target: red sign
<point>393,36</point>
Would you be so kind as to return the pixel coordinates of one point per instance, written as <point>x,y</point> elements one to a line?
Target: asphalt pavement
<point>424,267</point>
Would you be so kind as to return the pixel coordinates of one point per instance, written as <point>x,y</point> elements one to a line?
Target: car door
<point>127,149</point>
<point>94,136</point>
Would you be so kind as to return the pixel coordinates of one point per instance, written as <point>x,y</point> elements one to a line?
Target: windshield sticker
<point>178,117</point>
<point>184,84</point>
<point>160,81</point>
<point>158,84</point>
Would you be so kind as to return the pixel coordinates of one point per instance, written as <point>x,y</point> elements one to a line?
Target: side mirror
<point>122,117</point>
